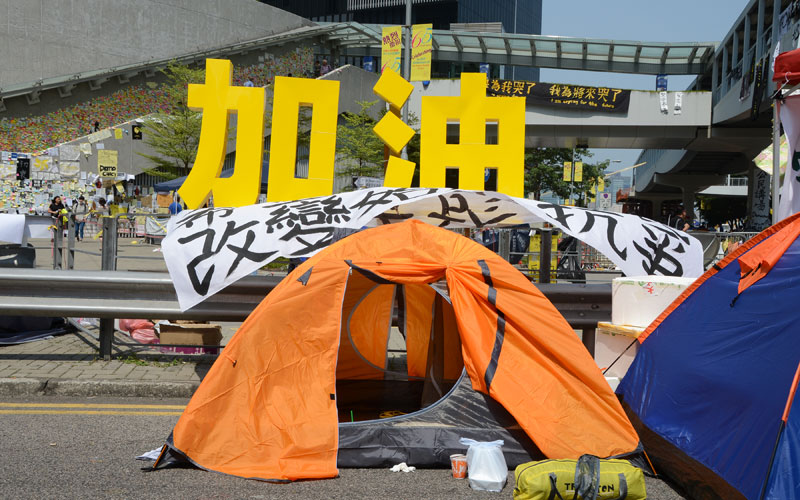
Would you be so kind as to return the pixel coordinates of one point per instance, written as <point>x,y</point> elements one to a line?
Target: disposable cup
<point>458,463</point>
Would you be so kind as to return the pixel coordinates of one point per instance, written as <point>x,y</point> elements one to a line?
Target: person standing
<point>325,68</point>
<point>680,220</point>
<point>175,208</point>
<point>81,210</point>
<point>55,208</point>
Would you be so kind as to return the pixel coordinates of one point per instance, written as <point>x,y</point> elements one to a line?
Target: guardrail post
<point>504,244</point>
<point>108,263</point>
<point>58,241</point>
<point>545,255</point>
<point>71,242</point>
<point>109,247</point>
<point>106,337</point>
<point>588,339</point>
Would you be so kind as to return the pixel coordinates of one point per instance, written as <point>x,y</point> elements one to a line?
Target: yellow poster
<point>421,47</point>
<point>391,48</point>
<point>117,133</point>
<point>107,163</point>
<point>568,171</point>
<point>601,185</point>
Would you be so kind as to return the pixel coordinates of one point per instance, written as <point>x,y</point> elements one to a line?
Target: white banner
<point>790,190</point>
<point>12,228</point>
<point>69,152</point>
<point>208,249</point>
<point>8,172</point>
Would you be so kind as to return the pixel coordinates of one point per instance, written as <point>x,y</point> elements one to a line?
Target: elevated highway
<point>741,114</point>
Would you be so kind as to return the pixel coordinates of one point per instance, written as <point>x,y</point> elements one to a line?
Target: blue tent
<point>711,388</point>
<point>175,184</point>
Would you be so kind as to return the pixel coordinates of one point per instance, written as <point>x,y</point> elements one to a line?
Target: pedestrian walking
<point>81,211</point>
<point>55,208</point>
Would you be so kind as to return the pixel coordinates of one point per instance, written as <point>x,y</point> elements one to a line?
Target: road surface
<point>85,448</point>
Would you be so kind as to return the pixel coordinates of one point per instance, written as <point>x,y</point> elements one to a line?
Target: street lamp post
<point>407,67</point>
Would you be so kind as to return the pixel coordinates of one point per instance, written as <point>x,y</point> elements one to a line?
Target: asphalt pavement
<point>86,447</point>
<point>73,423</point>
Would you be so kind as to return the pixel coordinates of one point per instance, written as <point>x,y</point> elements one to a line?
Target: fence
<point>568,261</point>
<point>149,227</point>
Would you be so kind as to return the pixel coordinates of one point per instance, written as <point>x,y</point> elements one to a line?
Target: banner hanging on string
<point>208,249</point>
<point>599,99</point>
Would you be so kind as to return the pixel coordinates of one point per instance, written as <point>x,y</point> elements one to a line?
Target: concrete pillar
<point>776,21</point>
<point>760,29</point>
<point>746,45</point>
<point>715,94</point>
<point>725,69</point>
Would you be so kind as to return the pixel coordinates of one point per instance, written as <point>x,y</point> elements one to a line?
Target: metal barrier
<point>123,294</point>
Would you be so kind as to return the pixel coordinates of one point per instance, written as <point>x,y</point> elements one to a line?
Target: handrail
<point>130,294</point>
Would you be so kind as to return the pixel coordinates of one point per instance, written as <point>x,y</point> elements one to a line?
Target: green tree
<point>591,173</point>
<point>360,150</point>
<point>544,170</point>
<point>174,134</point>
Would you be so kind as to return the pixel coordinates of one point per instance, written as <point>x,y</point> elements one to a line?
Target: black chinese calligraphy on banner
<point>208,249</point>
<point>600,99</point>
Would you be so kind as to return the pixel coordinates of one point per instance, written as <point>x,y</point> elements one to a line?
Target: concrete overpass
<point>737,133</point>
<point>643,126</point>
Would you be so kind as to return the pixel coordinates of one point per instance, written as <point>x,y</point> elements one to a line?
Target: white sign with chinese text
<point>208,249</point>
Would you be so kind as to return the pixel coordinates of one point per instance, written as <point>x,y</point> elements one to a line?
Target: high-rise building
<point>516,16</point>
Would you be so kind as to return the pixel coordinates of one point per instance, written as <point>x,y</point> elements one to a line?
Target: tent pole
<point>776,157</point>
<point>784,418</point>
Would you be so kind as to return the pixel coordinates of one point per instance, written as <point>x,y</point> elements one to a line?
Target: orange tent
<point>268,407</point>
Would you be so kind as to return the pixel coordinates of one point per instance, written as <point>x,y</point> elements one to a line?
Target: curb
<point>85,388</point>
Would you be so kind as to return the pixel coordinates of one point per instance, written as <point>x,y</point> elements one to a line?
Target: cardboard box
<point>191,334</point>
<point>614,347</point>
<point>638,300</point>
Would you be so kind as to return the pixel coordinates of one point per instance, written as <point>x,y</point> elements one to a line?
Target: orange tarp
<point>267,407</point>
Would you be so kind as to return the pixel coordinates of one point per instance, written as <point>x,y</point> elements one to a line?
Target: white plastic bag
<point>486,465</point>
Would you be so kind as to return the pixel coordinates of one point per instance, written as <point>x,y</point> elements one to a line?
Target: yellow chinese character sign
<point>473,110</point>
<point>217,99</point>
<point>290,94</point>
<point>471,155</point>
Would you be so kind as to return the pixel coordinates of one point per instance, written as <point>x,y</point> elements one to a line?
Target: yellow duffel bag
<point>588,478</point>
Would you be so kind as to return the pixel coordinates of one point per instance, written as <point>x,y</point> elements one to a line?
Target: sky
<point>641,20</point>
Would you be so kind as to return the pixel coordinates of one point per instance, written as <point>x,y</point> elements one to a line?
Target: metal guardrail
<point>129,294</point>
